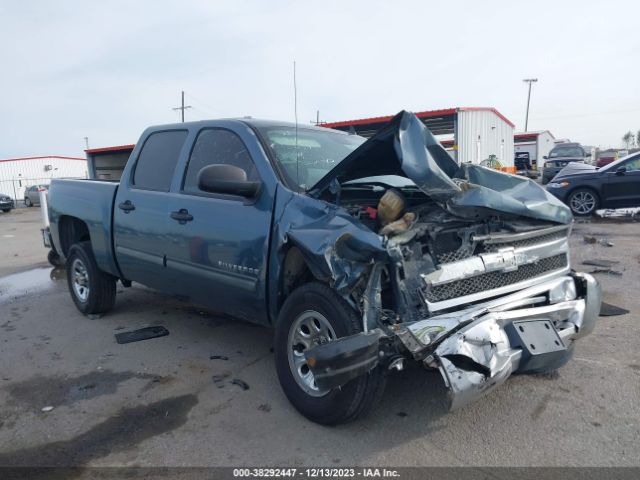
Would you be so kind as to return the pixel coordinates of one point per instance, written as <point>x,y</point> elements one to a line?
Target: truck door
<point>140,213</point>
<point>219,243</point>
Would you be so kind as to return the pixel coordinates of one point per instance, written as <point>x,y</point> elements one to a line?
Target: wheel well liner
<point>72,230</point>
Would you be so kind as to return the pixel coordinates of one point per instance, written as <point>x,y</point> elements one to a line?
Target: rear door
<point>141,209</point>
<point>623,189</point>
<point>219,243</point>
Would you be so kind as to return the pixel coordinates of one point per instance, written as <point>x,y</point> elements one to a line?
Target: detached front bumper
<point>478,348</point>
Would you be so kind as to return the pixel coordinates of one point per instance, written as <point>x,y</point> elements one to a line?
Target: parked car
<point>559,157</point>
<point>32,195</point>
<point>364,255</point>
<point>522,162</point>
<point>604,160</point>
<point>585,188</point>
<point>6,203</point>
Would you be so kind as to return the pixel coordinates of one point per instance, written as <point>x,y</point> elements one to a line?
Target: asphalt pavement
<point>165,402</point>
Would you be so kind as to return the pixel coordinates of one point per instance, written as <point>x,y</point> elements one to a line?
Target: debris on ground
<point>591,239</point>
<point>608,271</point>
<point>597,262</point>
<point>47,408</point>
<point>141,334</point>
<point>241,383</point>
<point>608,310</point>
<point>218,357</point>
<point>619,214</point>
<point>218,380</point>
<point>264,407</point>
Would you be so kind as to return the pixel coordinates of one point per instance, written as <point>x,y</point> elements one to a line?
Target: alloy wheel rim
<point>80,280</point>
<point>308,330</point>
<point>583,202</point>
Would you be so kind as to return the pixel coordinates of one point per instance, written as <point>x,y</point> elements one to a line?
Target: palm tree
<point>628,138</point>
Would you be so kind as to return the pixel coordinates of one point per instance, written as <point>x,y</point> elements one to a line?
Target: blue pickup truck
<point>363,254</point>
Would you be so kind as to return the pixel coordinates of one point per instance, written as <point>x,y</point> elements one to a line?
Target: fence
<point>15,188</point>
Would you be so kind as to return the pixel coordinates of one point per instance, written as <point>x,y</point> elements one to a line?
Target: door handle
<point>182,216</point>
<point>126,206</point>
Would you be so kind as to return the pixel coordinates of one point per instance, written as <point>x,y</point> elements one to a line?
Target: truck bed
<point>88,201</point>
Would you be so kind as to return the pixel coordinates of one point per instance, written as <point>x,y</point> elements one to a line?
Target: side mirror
<point>545,157</point>
<point>621,170</point>
<point>226,179</point>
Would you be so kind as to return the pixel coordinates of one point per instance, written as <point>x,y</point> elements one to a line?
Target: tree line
<point>631,140</point>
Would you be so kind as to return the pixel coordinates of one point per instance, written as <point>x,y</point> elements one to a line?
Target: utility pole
<point>526,118</point>
<point>182,107</point>
<point>86,142</point>
<point>317,122</point>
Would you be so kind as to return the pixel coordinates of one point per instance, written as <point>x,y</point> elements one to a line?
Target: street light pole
<point>526,118</point>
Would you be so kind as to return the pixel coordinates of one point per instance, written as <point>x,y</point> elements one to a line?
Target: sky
<point>106,70</point>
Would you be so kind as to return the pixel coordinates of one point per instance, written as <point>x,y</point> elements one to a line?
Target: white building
<point>537,144</point>
<point>18,173</point>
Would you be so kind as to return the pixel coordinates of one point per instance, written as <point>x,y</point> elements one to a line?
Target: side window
<point>633,164</point>
<point>217,146</point>
<point>157,160</point>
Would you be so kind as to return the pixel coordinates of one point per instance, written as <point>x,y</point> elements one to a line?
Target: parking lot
<point>156,402</point>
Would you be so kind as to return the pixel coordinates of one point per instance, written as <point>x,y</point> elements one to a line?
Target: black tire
<point>6,210</point>
<point>340,405</point>
<point>54,259</point>
<point>28,202</point>
<point>100,296</point>
<point>579,202</point>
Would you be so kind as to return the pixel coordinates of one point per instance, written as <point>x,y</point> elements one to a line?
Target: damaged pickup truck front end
<point>462,268</point>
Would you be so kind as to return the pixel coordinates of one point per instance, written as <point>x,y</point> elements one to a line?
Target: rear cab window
<point>157,160</point>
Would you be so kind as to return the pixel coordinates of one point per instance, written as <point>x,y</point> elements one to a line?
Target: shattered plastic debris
<point>218,380</point>
<point>608,310</point>
<point>218,357</point>
<point>593,240</point>
<point>241,383</point>
<point>597,262</point>
<point>141,334</point>
<point>608,271</point>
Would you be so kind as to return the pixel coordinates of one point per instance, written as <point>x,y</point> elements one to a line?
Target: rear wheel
<point>92,290</point>
<point>315,314</point>
<point>27,202</point>
<point>583,201</point>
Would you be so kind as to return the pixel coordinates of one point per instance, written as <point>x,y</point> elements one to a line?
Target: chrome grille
<point>493,280</point>
<point>454,255</point>
<point>527,242</point>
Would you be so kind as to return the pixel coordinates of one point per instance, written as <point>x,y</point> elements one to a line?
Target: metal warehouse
<point>18,173</point>
<point>477,132</point>
<point>536,144</point>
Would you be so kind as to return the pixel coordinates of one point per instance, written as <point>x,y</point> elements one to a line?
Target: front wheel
<point>92,290</point>
<point>583,201</point>
<point>315,314</point>
<point>6,210</point>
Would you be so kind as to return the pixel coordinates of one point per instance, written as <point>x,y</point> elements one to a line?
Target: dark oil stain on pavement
<point>40,391</point>
<point>123,431</point>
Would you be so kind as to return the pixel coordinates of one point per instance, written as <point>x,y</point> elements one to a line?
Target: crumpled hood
<point>405,147</point>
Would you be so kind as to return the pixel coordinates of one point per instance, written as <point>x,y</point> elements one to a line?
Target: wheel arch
<point>72,230</point>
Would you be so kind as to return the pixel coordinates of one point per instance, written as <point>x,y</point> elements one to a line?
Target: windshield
<point>566,152</point>
<point>318,152</point>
